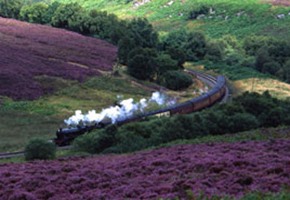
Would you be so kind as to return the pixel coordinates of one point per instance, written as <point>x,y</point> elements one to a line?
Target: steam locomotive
<point>65,136</point>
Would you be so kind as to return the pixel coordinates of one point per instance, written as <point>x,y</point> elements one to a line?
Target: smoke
<point>125,108</point>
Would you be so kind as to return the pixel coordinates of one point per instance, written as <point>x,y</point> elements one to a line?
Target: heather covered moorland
<point>239,39</point>
<point>29,53</point>
<point>181,171</point>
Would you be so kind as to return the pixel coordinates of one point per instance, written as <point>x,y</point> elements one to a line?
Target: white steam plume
<point>125,109</point>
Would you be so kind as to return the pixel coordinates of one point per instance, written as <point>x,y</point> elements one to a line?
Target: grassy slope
<point>43,55</point>
<point>257,17</point>
<point>51,110</point>
<point>41,118</point>
<point>32,64</point>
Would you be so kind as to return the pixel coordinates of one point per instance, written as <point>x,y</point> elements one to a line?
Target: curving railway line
<point>218,92</point>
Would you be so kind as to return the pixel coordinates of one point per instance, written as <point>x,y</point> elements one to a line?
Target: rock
<point>170,3</point>
<point>138,3</point>
<point>240,13</point>
<point>202,16</point>
<point>211,11</point>
<point>280,16</point>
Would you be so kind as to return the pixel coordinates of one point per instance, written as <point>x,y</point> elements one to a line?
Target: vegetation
<point>240,39</point>
<point>183,171</point>
<point>40,149</point>
<point>175,80</point>
<point>247,112</point>
<point>179,45</point>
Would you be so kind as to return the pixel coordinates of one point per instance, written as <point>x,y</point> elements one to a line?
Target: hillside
<point>180,171</point>
<point>34,56</point>
<point>239,18</point>
<point>236,25</point>
<point>46,74</point>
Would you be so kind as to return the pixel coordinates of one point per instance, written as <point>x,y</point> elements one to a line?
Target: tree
<point>196,45</point>
<point>175,80</point>
<point>66,14</point>
<point>215,51</point>
<point>164,63</point>
<point>49,13</point>
<point>286,70</point>
<point>34,13</point>
<point>142,32</point>
<point>193,44</point>
<point>253,43</point>
<point>271,67</point>
<point>141,63</point>
<point>10,9</point>
<point>177,54</point>
<point>125,45</point>
<point>262,58</point>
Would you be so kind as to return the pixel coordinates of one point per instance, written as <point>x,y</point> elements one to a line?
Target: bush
<point>271,67</point>
<point>175,80</point>
<point>215,51</point>
<point>40,149</point>
<point>34,13</point>
<point>96,142</point>
<point>141,63</point>
<point>202,10</point>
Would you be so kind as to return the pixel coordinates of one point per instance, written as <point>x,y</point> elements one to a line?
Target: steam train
<point>66,135</point>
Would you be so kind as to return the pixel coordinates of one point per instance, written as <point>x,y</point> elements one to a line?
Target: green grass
<point>257,18</point>
<point>23,120</point>
<point>282,195</point>
<point>18,127</point>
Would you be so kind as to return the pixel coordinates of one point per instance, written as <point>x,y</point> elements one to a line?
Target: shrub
<point>202,10</point>
<point>34,13</point>
<point>96,142</point>
<point>40,149</point>
<point>175,80</point>
<point>215,51</point>
<point>271,67</point>
<point>141,63</point>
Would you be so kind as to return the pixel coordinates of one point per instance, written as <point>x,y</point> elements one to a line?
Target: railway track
<point>11,155</point>
<point>206,78</point>
<point>210,81</point>
<point>21,153</point>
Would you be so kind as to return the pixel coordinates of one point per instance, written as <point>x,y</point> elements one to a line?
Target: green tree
<point>253,43</point>
<point>49,13</point>
<point>142,32</point>
<point>66,14</point>
<point>125,46</point>
<point>271,67</point>
<point>163,63</point>
<point>141,63</point>
<point>175,80</point>
<point>262,58</point>
<point>34,13</point>
<point>10,8</point>
<point>286,71</point>
<point>194,44</point>
<point>177,54</point>
<point>138,33</point>
<point>215,51</point>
